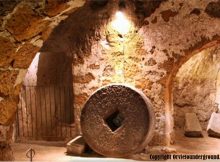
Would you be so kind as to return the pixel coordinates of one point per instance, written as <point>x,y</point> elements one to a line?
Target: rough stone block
<point>7,82</point>
<point>7,50</point>
<point>76,146</point>
<point>213,128</point>
<point>83,78</point>
<point>8,109</point>
<point>24,23</point>
<point>192,126</point>
<point>54,7</point>
<point>25,55</point>
<point>6,153</point>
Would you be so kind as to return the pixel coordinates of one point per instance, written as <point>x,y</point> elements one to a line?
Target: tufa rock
<point>54,7</point>
<point>7,50</point>
<point>25,55</point>
<point>83,78</point>
<point>7,82</point>
<point>144,9</point>
<point>6,153</point>
<point>25,23</point>
<point>80,99</point>
<point>1,24</point>
<point>167,14</point>
<point>196,11</point>
<point>8,109</point>
<point>94,66</point>
<point>213,9</point>
<point>7,6</point>
<point>46,33</point>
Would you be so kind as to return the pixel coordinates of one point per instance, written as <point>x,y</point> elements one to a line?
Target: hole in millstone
<point>114,121</point>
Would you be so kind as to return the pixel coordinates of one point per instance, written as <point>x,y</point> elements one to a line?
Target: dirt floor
<point>183,145</point>
<point>203,145</point>
<point>46,152</point>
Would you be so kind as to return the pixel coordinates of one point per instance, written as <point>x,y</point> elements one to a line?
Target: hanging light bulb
<point>121,24</point>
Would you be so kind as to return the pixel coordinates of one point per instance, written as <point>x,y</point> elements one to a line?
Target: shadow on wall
<point>50,74</point>
<point>54,69</point>
<point>46,100</point>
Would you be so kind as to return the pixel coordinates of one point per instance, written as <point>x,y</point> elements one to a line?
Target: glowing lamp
<point>121,24</point>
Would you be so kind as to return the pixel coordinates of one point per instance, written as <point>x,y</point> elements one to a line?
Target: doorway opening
<point>45,110</point>
<point>195,92</point>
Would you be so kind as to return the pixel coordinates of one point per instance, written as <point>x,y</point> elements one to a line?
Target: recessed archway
<point>168,96</point>
<point>45,110</point>
<point>194,93</point>
<point>192,85</point>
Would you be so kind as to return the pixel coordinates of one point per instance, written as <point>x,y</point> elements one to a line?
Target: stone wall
<point>148,57</point>
<point>24,26</point>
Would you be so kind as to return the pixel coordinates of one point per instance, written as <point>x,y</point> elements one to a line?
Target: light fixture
<point>121,24</point>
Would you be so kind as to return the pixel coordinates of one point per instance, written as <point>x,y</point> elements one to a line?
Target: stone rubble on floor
<point>76,146</point>
<point>6,153</point>
<point>213,128</point>
<point>192,126</point>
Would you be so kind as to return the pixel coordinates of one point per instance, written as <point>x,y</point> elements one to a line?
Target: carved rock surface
<point>7,50</point>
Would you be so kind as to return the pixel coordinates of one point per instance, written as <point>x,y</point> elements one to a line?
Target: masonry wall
<point>25,25</point>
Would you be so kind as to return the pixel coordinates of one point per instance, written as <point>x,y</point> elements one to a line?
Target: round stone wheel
<point>117,121</point>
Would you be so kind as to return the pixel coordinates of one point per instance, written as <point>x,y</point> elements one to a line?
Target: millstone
<point>117,121</point>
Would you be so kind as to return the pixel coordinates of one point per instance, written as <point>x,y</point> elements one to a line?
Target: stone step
<point>192,126</point>
<point>76,146</point>
<point>213,128</point>
<point>6,153</point>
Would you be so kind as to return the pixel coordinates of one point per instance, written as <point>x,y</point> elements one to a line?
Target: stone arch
<point>75,32</point>
<point>205,44</point>
<point>68,43</point>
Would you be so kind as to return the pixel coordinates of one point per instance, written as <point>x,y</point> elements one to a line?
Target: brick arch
<point>204,44</point>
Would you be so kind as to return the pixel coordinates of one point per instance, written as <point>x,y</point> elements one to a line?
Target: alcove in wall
<point>195,90</point>
<point>45,110</point>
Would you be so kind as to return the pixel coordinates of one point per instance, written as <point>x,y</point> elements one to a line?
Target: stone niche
<point>45,110</point>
